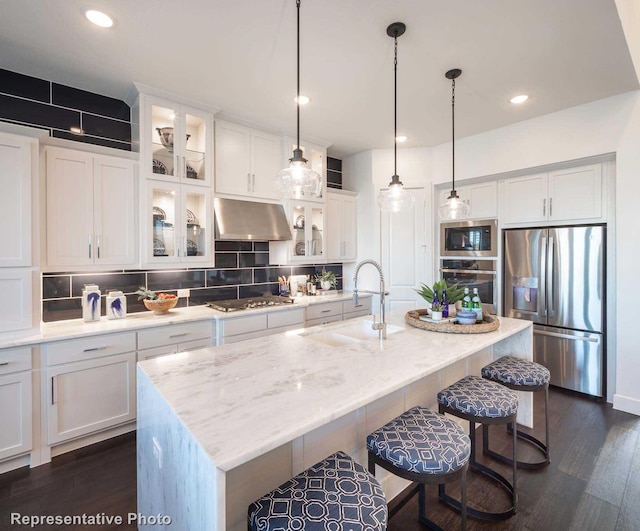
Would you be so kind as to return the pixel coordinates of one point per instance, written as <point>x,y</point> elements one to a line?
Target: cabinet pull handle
<point>98,244</point>
<point>53,390</point>
<point>89,245</point>
<point>179,335</point>
<point>544,207</point>
<point>93,349</point>
<point>358,305</point>
<point>177,168</point>
<point>550,206</point>
<point>325,311</point>
<point>3,363</point>
<point>248,182</point>
<point>253,182</point>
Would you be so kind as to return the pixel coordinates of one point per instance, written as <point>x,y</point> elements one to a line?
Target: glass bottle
<point>466,300</point>
<point>477,305</point>
<point>445,303</point>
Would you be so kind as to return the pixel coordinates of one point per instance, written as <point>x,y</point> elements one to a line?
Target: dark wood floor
<point>592,483</point>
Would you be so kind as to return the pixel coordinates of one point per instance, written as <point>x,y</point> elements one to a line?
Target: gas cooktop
<point>252,302</point>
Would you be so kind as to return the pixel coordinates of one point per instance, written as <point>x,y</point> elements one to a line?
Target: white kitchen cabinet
<point>16,400</point>
<point>573,194</point>
<point>235,329</point>
<point>89,384</point>
<point>16,154</point>
<point>156,342</point>
<point>176,140</point>
<point>351,310</point>
<point>482,199</point>
<point>307,220</point>
<point>176,224</point>
<point>247,161</point>
<point>91,215</point>
<point>341,234</point>
<point>323,312</point>
<point>16,286</point>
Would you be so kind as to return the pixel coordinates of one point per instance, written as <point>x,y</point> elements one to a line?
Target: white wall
<point>611,125</point>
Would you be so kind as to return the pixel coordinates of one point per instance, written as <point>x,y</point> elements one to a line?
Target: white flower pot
<point>325,284</point>
<point>436,316</point>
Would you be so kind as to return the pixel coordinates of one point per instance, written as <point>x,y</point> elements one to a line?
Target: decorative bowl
<point>160,306</point>
<point>166,136</point>
<point>466,317</point>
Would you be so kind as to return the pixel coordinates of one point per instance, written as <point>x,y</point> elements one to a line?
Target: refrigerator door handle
<point>550,279</point>
<point>543,274</point>
<point>566,336</point>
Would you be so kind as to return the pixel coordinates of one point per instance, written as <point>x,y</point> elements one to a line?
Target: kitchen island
<point>219,427</point>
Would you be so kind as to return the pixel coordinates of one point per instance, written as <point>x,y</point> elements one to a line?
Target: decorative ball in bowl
<point>161,306</point>
<point>166,136</point>
<point>466,317</point>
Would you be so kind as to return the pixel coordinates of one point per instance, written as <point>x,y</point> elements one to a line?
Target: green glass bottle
<point>476,305</point>
<point>466,300</point>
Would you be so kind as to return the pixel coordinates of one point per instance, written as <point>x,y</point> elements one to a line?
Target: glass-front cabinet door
<point>178,140</point>
<point>177,223</point>
<point>196,227</point>
<point>308,231</point>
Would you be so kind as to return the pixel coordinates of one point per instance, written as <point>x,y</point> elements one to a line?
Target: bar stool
<point>425,447</point>
<point>485,402</point>
<point>521,375</point>
<point>336,493</point>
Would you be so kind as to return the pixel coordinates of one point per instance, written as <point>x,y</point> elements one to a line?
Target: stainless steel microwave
<point>469,238</point>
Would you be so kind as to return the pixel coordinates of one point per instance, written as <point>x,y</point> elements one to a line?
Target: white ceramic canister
<point>91,303</point>
<point>116,305</point>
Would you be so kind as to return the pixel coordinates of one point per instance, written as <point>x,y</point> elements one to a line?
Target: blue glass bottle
<point>445,303</point>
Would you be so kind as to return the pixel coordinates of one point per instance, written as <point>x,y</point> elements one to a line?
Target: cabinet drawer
<point>286,318</point>
<point>156,352</point>
<point>323,320</point>
<point>323,310</point>
<point>15,360</point>
<point>353,315</point>
<point>194,345</point>
<point>244,325</point>
<point>364,304</point>
<point>89,348</point>
<point>174,334</point>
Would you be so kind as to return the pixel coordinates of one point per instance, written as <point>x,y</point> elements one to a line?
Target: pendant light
<point>297,181</point>
<point>453,207</point>
<point>395,197</point>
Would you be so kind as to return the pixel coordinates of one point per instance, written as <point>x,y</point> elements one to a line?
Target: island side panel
<point>175,477</point>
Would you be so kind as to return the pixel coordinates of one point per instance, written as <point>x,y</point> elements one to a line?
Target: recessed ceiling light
<point>303,99</point>
<point>99,18</point>
<point>401,138</point>
<point>519,99</point>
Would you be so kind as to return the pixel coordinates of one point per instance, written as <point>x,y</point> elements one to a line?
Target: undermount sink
<point>350,334</point>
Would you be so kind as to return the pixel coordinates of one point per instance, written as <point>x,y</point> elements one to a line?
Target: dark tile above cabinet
<point>74,98</point>
<point>27,87</point>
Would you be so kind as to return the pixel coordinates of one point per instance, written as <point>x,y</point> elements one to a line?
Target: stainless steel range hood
<point>249,220</point>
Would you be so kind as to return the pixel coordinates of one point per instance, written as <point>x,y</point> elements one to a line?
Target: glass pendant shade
<point>395,198</point>
<point>298,181</point>
<point>453,208</point>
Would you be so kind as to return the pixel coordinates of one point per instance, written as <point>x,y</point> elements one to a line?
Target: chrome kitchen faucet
<point>381,327</point>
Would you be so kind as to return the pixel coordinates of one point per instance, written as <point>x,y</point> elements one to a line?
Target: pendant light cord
<point>453,136</point>
<point>298,81</point>
<point>395,105</point>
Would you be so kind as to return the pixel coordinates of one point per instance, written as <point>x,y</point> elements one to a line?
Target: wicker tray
<point>489,324</point>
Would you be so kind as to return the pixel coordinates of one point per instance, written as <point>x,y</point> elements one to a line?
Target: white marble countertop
<point>244,399</point>
<point>76,328</point>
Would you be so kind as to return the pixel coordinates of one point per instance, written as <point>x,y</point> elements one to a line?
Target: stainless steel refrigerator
<point>555,277</point>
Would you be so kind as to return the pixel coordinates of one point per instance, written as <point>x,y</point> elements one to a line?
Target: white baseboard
<point>626,403</point>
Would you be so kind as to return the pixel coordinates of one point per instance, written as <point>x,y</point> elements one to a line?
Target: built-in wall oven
<point>469,238</point>
<point>473,273</point>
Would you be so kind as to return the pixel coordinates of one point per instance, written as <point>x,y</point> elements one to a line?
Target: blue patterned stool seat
<point>333,495</point>
<point>518,372</point>
<point>480,398</point>
<point>421,441</point>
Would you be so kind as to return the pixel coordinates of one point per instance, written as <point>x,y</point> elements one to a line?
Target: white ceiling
<point>240,56</point>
